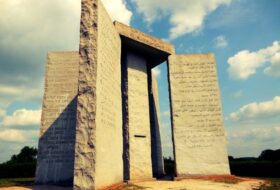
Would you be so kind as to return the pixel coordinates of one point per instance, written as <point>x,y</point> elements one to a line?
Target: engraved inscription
<point>199,137</point>
<point>57,134</point>
<point>196,98</point>
<point>108,135</point>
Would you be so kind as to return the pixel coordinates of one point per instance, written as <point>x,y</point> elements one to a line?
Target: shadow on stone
<point>55,165</point>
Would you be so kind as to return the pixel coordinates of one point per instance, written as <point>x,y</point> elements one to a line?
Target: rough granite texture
<point>143,38</point>
<point>85,149</point>
<point>109,147</point>
<point>139,121</point>
<point>98,153</point>
<point>55,163</point>
<point>199,136</point>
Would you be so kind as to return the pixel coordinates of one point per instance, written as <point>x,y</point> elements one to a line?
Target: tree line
<point>267,164</point>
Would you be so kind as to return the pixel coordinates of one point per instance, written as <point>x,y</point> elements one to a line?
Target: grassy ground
<point>8,182</point>
<point>274,184</point>
<point>131,187</point>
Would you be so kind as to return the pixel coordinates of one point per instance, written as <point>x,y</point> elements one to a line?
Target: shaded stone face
<point>199,137</point>
<point>156,144</point>
<point>58,127</point>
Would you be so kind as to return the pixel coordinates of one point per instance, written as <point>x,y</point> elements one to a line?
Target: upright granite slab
<point>198,130</point>
<point>98,153</point>
<point>55,161</point>
<point>140,163</point>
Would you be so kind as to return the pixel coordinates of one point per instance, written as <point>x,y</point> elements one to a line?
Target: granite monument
<point>100,121</point>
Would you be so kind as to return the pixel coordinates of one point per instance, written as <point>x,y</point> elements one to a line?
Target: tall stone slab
<point>98,153</point>
<point>198,131</point>
<point>139,120</point>
<point>55,162</point>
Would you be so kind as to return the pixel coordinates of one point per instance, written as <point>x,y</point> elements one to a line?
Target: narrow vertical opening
<point>161,125</point>
<point>124,90</point>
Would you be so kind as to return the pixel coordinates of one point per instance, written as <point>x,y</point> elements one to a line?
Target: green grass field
<point>8,182</point>
<point>274,184</point>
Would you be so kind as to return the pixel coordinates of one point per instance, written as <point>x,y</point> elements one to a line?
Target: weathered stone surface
<point>199,137</point>
<point>139,121</point>
<point>57,134</point>
<point>143,38</point>
<point>85,151</point>
<point>109,163</point>
<point>98,154</point>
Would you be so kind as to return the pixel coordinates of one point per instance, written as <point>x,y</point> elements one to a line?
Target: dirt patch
<point>194,183</point>
<point>204,183</point>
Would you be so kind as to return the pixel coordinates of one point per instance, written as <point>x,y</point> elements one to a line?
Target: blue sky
<point>244,35</point>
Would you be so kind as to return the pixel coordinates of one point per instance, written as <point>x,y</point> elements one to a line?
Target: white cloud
<point>15,135</point>
<point>220,42</point>
<point>2,113</point>
<point>185,16</point>
<point>274,69</point>
<point>237,94</point>
<point>50,23</point>
<point>166,114</point>
<point>256,133</point>
<point>9,94</point>
<point>31,28</point>
<point>12,135</point>
<point>156,72</point>
<point>251,141</point>
<point>22,117</point>
<point>118,11</point>
<point>257,110</point>
<point>28,30</point>
<point>245,63</point>
<point>165,125</point>
<point>9,90</point>
<point>40,23</point>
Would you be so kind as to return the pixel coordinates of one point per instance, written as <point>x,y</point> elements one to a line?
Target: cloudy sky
<point>244,35</point>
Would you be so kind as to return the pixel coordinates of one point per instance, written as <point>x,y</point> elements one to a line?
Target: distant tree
<point>20,165</point>
<point>270,155</point>
<point>26,155</point>
<point>169,159</point>
<point>230,158</point>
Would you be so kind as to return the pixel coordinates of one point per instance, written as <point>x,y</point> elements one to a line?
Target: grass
<point>274,184</point>
<point>227,181</point>
<point>8,182</point>
<point>131,187</point>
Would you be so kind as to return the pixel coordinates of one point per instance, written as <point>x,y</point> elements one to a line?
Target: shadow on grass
<point>8,182</point>
<point>273,184</point>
